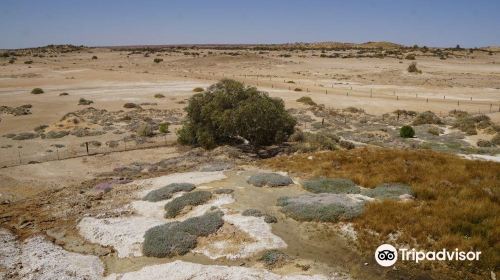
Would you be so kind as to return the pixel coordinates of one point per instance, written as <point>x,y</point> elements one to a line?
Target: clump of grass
<point>178,238</point>
<point>406,131</point>
<point>158,60</point>
<point>167,191</point>
<point>159,95</point>
<point>297,89</point>
<point>331,185</point>
<point>307,100</point>
<point>130,105</point>
<point>174,207</point>
<point>434,130</point>
<point>269,179</point>
<point>388,191</point>
<point>37,91</point>
<point>198,89</point>
<point>309,142</point>
<point>455,205</point>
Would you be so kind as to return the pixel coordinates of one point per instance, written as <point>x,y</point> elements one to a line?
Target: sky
<point>437,23</point>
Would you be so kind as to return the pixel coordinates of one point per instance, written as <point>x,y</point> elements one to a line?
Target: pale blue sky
<point>29,23</point>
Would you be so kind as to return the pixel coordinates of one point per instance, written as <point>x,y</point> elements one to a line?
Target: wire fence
<point>22,156</point>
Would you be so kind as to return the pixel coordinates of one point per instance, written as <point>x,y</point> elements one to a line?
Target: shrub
<point>94,57</point>
<point>163,127</point>
<point>84,101</point>
<point>63,94</point>
<point>412,68</point>
<point>56,134</point>
<point>228,112</point>
<point>331,185</point>
<point>410,56</point>
<point>198,89</point>
<point>406,131</point>
<point>388,191</point>
<point>167,191</point>
<point>306,100</point>
<point>269,179</point>
<point>252,212</point>
<point>37,91</point>
<point>157,60</point>
<point>177,238</point>
<point>297,89</point>
<point>145,130</point>
<point>466,124</point>
<point>159,95</point>
<point>496,139</point>
<point>175,206</point>
<point>324,207</point>
<point>347,145</point>
<point>315,141</point>
<point>427,117</point>
<point>23,136</point>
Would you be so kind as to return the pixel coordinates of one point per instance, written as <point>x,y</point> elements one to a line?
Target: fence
<point>28,154</point>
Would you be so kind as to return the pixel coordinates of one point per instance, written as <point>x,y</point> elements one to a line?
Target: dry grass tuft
<point>456,201</point>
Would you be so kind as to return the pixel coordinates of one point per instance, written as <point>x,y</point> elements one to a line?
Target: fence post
<point>87,147</point>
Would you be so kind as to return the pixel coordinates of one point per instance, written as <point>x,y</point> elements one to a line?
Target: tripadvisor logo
<point>387,255</point>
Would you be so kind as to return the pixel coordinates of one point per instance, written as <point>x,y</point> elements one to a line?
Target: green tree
<point>229,112</point>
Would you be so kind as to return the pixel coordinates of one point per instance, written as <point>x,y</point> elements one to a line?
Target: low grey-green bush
<point>84,101</point>
<point>320,208</point>
<point>228,112</point>
<point>331,185</point>
<point>306,100</point>
<point>174,207</point>
<point>253,212</point>
<point>269,179</point>
<point>178,238</point>
<point>388,191</point>
<point>167,191</point>
<point>145,130</point>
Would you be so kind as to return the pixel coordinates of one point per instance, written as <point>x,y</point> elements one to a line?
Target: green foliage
<point>228,111</point>
<point>177,238</point>
<point>175,206</point>
<point>37,91</point>
<point>331,185</point>
<point>307,100</point>
<point>406,131</point>
<point>167,191</point>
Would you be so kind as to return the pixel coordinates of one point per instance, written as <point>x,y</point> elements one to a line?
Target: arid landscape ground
<point>79,155</point>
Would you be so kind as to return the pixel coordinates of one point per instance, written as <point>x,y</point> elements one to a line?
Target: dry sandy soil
<point>464,81</point>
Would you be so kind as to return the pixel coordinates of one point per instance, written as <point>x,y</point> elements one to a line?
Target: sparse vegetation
<point>198,89</point>
<point>427,117</point>
<point>455,204</point>
<point>130,105</point>
<point>274,258</point>
<point>228,112</point>
<point>163,128</point>
<point>158,60</point>
<point>145,130</point>
<point>159,95</point>
<point>297,89</point>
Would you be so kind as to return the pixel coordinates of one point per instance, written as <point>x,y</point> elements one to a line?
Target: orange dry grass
<point>456,205</point>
